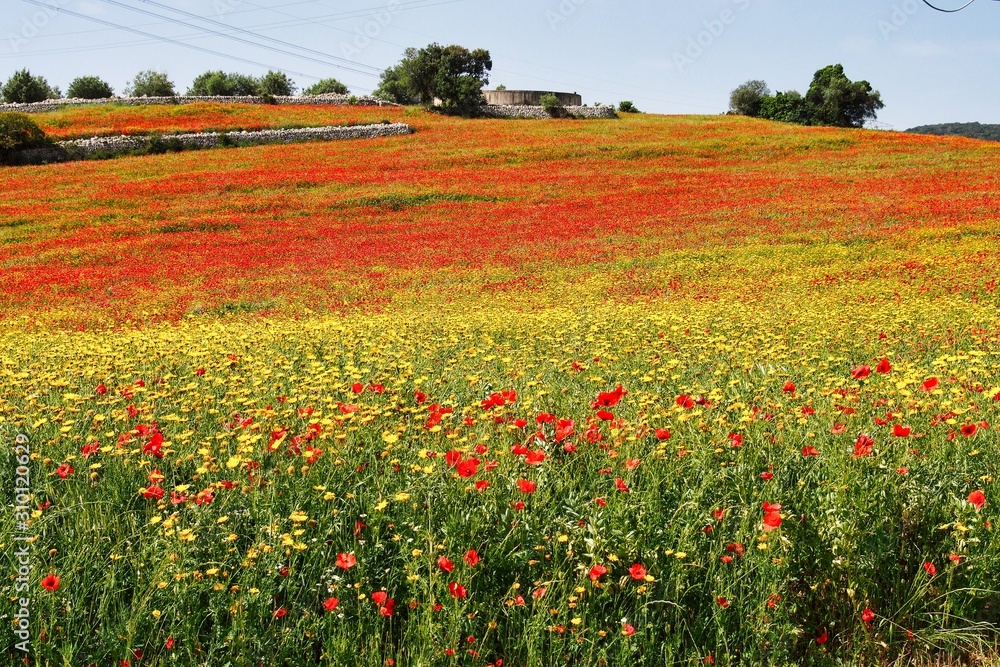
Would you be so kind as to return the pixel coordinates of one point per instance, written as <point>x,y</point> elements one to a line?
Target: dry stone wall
<point>519,111</point>
<point>331,99</point>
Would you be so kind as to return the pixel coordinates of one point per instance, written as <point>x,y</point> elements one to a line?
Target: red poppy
<point>600,502</point>
<point>526,486</point>
<point>809,450</point>
<point>471,558</point>
<point>977,499</point>
<point>419,396</point>
<point>867,615</point>
<point>662,434</point>
<point>718,514</point>
<point>597,572</point>
<point>735,440</point>
<point>969,430</point>
<point>822,639</point>
<point>628,630</point>
<point>637,572</point>
<point>766,476</point>
<point>736,547</point>
<point>861,372</point>
<point>50,583</point>
<point>388,608</point>
<point>903,470</point>
<point>955,558</point>
<point>170,643</point>
<point>482,485</point>
<point>727,559</point>
<point>863,446</point>
<point>609,399</point>
<point>453,458</point>
<point>604,415</point>
<point>883,366</point>
<point>838,429</point>
<point>545,418</point>
<point>772,516</point>
<point>379,597</point>
<point>445,564</point>
<point>789,387</point>
<point>457,590</point>
<point>101,390</point>
<point>620,484</point>
<point>535,457</point>
<point>346,561</point>
<point>538,593</point>
<point>468,467</point>
<point>901,431</point>
<point>685,401</point>
<point>280,612</point>
<point>153,492</point>
<point>930,384</point>
<point>930,569</point>
<point>357,387</point>
<point>64,470</point>
<point>330,604</point>
<point>722,602</point>
<point>564,429</point>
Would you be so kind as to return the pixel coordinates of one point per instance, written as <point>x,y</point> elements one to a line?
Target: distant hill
<point>971,130</point>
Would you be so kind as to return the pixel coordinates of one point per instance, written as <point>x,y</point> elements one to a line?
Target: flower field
<point>653,391</point>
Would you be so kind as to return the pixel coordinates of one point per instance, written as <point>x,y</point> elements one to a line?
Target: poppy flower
<point>977,499</point>
<point>597,572</point>
<point>955,558</point>
<point>969,430</point>
<point>863,446</point>
<point>379,597</point>
<point>609,399</point>
<point>772,516</point>
<point>600,502</point>
<point>727,559</point>
<point>838,429</point>
<point>767,476</point>
<point>101,390</point>
<point>545,418</point>
<point>482,485</point>
<point>861,372</point>
<point>628,630</point>
<point>637,572</point>
<point>564,429</point>
<point>662,434</point>
<point>468,467</point>
<point>445,564</point>
<point>809,450</point>
<point>64,470</point>
<point>822,639</point>
<point>632,464</point>
<point>789,387</point>
<point>718,514</point>
<point>457,590</point>
<point>735,440</point>
<point>471,558</point>
<point>51,583</point>
<point>930,384</point>
<point>901,431</point>
<point>535,457</point>
<point>685,401</point>
<point>883,366</point>
<point>388,608</point>
<point>357,388</point>
<point>930,569</point>
<point>153,492</point>
<point>170,643</point>
<point>867,615</point>
<point>722,602</point>
<point>620,484</point>
<point>526,485</point>
<point>346,561</point>
<point>280,612</point>
<point>453,458</point>
<point>330,604</point>
<point>538,593</point>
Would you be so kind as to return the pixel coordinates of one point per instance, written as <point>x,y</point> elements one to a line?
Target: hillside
<point>970,130</point>
<point>657,390</point>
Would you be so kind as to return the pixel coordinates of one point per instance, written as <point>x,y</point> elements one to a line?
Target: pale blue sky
<point>669,57</point>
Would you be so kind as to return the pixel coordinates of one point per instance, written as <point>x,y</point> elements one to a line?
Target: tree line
<point>832,99</point>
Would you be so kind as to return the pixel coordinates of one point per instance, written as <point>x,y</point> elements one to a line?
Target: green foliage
<point>836,100</point>
<point>150,83</point>
<point>326,87</point>
<point>223,84</point>
<point>787,107</point>
<point>832,99</point>
<point>550,103</point>
<point>23,88</point>
<point>453,74</point>
<point>501,87</point>
<point>970,130</point>
<point>276,84</point>
<point>626,106</point>
<point>90,88</point>
<point>17,132</point>
<point>747,98</point>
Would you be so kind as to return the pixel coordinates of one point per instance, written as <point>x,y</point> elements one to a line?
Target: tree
<point>149,83</point>
<point>836,100</point>
<point>18,131</point>
<point>24,88</point>
<point>626,106</point>
<point>746,99</point>
<point>276,84</point>
<point>327,87</point>
<point>221,84</point>
<point>453,74</point>
<point>787,107</point>
<point>90,88</point>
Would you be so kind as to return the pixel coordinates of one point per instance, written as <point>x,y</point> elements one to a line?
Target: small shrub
<point>17,132</point>
<point>551,104</point>
<point>626,106</point>
<point>90,88</point>
<point>326,87</point>
<point>353,100</point>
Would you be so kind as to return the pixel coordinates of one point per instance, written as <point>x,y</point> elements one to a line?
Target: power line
<point>162,38</point>
<point>948,11</point>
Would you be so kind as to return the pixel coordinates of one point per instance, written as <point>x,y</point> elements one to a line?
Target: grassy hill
<point>657,390</point>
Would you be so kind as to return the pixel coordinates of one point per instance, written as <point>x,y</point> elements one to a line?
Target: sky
<point>666,56</point>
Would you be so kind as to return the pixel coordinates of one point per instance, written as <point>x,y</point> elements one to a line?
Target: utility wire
<point>948,11</point>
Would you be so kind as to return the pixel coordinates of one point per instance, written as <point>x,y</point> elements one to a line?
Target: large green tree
<point>746,99</point>
<point>836,100</point>
<point>90,88</point>
<point>453,74</point>
<point>24,88</point>
<point>149,83</point>
<point>218,83</point>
